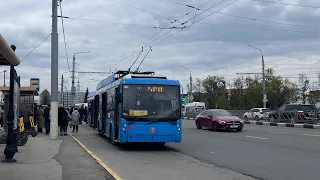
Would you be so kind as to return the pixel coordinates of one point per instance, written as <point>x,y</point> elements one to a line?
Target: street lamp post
<point>190,97</point>
<point>265,100</point>
<point>73,89</point>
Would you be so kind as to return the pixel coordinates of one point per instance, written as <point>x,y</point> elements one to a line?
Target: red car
<point>218,119</point>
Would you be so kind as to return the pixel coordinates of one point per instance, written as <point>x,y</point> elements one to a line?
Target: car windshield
<point>221,113</point>
<point>266,110</point>
<point>307,107</point>
<point>151,102</point>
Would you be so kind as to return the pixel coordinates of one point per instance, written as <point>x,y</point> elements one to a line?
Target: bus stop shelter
<point>26,104</point>
<point>8,57</point>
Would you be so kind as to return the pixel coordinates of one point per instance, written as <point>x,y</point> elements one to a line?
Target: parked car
<point>257,113</point>
<point>296,113</point>
<point>218,119</point>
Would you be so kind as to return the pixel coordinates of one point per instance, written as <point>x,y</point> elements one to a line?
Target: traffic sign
<point>265,92</point>
<point>191,98</point>
<point>183,99</point>
<point>265,100</point>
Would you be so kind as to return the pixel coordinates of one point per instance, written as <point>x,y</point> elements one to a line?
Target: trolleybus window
<point>151,102</point>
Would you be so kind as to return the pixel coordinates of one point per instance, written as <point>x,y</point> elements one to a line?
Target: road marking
<point>313,135</point>
<point>211,152</point>
<point>256,137</point>
<point>115,176</point>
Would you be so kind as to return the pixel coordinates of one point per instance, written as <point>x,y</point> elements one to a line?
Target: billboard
<point>35,82</point>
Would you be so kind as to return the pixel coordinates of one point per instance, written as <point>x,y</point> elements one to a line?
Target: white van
<point>194,107</point>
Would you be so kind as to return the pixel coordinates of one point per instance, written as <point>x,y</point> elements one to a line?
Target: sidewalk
<point>45,159</point>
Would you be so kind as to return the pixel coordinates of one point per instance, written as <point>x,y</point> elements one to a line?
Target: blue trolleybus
<point>137,107</point>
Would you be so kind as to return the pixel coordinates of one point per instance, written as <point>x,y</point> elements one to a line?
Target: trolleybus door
<point>104,110</point>
<point>117,111</point>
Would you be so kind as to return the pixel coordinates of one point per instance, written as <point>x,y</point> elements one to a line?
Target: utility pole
<point>4,77</point>
<point>190,97</point>
<point>72,86</point>
<point>73,89</point>
<point>264,98</point>
<point>78,88</point>
<point>61,98</point>
<point>54,72</point>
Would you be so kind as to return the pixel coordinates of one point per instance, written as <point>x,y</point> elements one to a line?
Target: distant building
<point>79,98</point>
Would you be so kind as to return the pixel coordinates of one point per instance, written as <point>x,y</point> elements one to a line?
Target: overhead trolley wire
<point>64,36</point>
<point>288,4</point>
<point>248,18</point>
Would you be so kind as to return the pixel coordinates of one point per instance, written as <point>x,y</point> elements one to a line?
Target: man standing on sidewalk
<point>47,119</point>
<point>62,120</point>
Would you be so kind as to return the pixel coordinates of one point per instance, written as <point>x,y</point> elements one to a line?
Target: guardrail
<point>312,117</point>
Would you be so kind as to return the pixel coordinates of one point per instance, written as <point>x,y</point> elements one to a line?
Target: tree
<point>280,90</point>
<point>86,96</point>
<point>236,98</point>
<point>215,96</point>
<point>45,97</point>
<point>304,82</point>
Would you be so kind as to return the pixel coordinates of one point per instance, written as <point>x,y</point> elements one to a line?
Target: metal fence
<point>312,117</point>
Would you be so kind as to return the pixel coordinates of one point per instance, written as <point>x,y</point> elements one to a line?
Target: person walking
<point>62,120</point>
<point>47,119</point>
<point>40,118</point>
<point>75,117</point>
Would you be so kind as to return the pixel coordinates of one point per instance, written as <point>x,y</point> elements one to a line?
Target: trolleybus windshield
<point>151,102</point>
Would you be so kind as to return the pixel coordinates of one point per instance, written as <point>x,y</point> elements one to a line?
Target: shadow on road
<point>139,146</point>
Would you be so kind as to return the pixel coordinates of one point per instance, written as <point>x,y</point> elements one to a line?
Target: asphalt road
<point>262,152</point>
<point>146,163</point>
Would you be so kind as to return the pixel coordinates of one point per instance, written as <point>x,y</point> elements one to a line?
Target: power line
<point>109,22</point>
<point>155,14</point>
<point>267,29</point>
<point>164,34</point>
<point>35,47</point>
<point>247,18</point>
<point>64,35</point>
<point>288,4</point>
<point>267,21</point>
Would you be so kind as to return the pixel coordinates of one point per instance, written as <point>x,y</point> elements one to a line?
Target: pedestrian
<point>47,119</point>
<point>75,118</point>
<point>62,120</point>
<point>86,115</point>
<point>40,118</point>
<point>81,111</point>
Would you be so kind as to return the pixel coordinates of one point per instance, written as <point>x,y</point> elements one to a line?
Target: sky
<point>209,41</point>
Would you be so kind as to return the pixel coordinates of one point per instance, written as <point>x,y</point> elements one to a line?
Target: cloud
<point>217,45</point>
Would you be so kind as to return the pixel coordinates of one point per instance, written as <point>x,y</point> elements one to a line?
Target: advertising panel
<point>35,82</point>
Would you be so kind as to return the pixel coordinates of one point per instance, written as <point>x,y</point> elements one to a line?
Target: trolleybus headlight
<point>123,129</point>
<point>124,125</point>
<point>179,129</point>
<point>178,125</point>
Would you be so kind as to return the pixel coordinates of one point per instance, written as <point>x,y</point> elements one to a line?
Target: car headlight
<point>242,121</point>
<point>221,122</point>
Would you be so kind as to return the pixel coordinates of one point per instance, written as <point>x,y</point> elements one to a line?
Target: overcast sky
<point>213,45</point>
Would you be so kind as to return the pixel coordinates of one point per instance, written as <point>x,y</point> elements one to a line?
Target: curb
<point>112,173</point>
<point>308,126</point>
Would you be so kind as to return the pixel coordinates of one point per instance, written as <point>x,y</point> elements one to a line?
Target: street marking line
<point>313,135</point>
<point>113,174</point>
<point>256,137</point>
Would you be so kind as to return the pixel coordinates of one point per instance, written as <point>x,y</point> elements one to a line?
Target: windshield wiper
<point>142,117</point>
